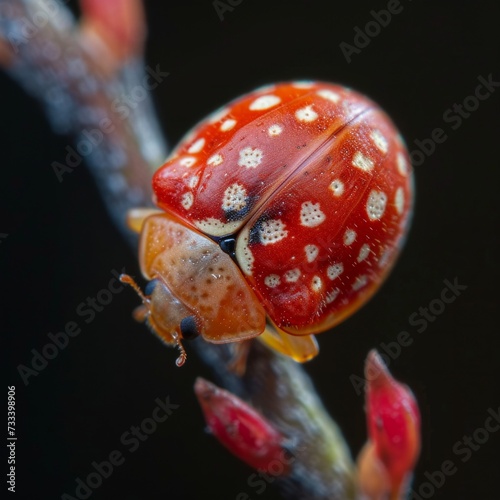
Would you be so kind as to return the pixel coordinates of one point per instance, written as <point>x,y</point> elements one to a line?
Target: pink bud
<point>241,429</point>
<point>119,24</point>
<point>393,421</point>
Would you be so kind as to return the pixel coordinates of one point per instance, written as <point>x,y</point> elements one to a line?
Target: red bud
<point>120,24</point>
<point>241,429</point>
<point>393,421</point>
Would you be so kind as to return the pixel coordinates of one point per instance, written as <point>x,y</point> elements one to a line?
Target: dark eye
<point>228,245</point>
<point>150,287</point>
<point>189,330</point>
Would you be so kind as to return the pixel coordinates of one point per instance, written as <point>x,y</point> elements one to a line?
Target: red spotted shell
<point>314,183</point>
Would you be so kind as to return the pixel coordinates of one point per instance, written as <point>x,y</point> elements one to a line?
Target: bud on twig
<point>116,26</point>
<point>393,422</point>
<point>241,429</point>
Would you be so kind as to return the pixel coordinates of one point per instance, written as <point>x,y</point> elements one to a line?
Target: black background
<point>62,246</point>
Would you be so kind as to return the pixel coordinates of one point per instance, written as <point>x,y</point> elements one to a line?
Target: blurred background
<point>62,247</point>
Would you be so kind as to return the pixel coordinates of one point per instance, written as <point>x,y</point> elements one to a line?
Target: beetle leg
<point>238,364</point>
<point>137,216</point>
<point>140,313</point>
<point>183,355</point>
<point>128,280</point>
<point>143,312</point>
<point>299,348</point>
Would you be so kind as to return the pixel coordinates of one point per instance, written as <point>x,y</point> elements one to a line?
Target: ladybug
<point>279,216</point>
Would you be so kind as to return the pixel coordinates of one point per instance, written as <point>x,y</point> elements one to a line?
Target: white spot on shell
<point>274,130</point>
<point>272,231</point>
<point>335,270</point>
<point>250,157</point>
<point>187,200</point>
<point>293,275</point>
<point>216,227</point>
<point>364,252</point>
<point>362,162</point>
<point>337,187</point>
<point>197,146</point>
<point>264,102</point>
<point>375,206</point>
<point>311,215</point>
<point>244,254</point>
<point>188,137</point>
<point>329,95</point>
<point>188,161</point>
<point>311,252</point>
<point>306,114</point>
<point>380,141</point>
<point>215,160</point>
<point>352,107</point>
<point>384,257</point>
<point>270,87</point>
<point>359,282</point>
<point>399,200</point>
<point>402,164</point>
<point>193,181</point>
<point>235,198</point>
<point>227,125</point>
<point>331,296</point>
<point>349,237</point>
<point>317,284</point>
<point>218,115</point>
<point>303,84</point>
<point>272,281</point>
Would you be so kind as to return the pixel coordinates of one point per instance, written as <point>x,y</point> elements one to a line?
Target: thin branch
<point>109,113</point>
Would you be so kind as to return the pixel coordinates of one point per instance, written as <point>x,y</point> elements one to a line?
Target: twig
<point>109,113</point>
